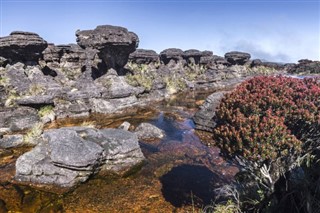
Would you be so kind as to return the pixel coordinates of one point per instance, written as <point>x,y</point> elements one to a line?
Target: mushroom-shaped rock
<point>141,56</point>
<point>22,47</point>
<point>237,58</point>
<point>114,43</point>
<point>171,54</point>
<point>192,56</point>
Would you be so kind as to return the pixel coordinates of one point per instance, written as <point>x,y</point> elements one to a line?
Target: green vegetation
<point>175,84</point>
<point>34,134</point>
<point>142,75</point>
<point>270,127</point>
<point>45,111</point>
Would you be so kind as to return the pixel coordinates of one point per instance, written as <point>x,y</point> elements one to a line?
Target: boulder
<point>17,119</point>
<point>121,150</point>
<point>112,105</point>
<point>237,58</point>
<point>3,62</point>
<point>141,56</point>
<point>114,44</point>
<point>22,46</point>
<point>68,156</point>
<point>204,118</point>
<point>171,54</point>
<point>148,131</point>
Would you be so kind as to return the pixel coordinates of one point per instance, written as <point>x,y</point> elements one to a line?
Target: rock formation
<point>22,47</point>
<point>114,44</point>
<point>237,58</point>
<point>68,156</point>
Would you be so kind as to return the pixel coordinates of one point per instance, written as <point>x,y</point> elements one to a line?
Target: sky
<point>273,30</point>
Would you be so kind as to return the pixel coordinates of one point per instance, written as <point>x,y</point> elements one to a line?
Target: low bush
<point>269,126</point>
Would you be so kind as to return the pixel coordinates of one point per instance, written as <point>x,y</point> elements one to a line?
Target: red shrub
<point>268,117</point>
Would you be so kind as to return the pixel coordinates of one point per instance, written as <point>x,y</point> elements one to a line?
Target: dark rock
<point>192,56</point>
<point>204,118</point>
<point>114,44</point>
<point>273,65</point>
<point>3,96</point>
<point>22,46</point>
<point>35,101</point>
<point>171,54</point>
<point>68,156</point>
<point>71,150</point>
<point>3,62</point>
<point>121,149</point>
<point>148,131</point>
<point>256,62</point>
<point>141,56</point>
<point>70,60</point>
<point>10,141</point>
<point>206,57</point>
<point>18,79</point>
<point>18,119</point>
<point>237,58</point>
<point>305,66</point>
<point>220,60</point>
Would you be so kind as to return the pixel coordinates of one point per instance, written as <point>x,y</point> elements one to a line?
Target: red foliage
<point>268,117</point>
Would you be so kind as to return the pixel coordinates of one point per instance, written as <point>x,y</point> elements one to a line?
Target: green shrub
<point>268,117</point>
<point>267,125</point>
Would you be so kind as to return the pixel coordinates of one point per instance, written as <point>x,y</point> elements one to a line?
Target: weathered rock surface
<point>148,131</point>
<point>142,56</point>
<point>114,44</point>
<point>10,141</point>
<point>306,67</point>
<point>192,56</point>
<point>204,118</point>
<point>22,46</point>
<point>68,60</point>
<point>121,149</point>
<point>171,54</point>
<point>17,119</point>
<point>68,156</point>
<point>237,58</point>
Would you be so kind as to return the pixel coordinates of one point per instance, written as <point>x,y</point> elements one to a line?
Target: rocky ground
<point>103,73</point>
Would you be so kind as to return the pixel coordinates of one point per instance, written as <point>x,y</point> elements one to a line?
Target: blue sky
<point>284,30</point>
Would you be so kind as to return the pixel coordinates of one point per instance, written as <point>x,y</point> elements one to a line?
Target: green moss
<point>46,110</point>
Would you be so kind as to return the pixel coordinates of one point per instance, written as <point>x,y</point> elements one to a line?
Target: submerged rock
<point>148,131</point>
<point>68,156</point>
<point>22,46</point>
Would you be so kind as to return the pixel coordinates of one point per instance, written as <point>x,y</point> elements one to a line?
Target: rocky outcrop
<point>17,119</point>
<point>22,46</point>
<point>148,131</point>
<point>142,56</point>
<point>237,58</point>
<point>192,56</point>
<point>204,118</point>
<point>171,54</point>
<point>305,66</point>
<point>114,44</point>
<point>68,156</point>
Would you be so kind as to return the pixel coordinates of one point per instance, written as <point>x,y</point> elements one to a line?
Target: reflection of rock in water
<point>189,183</point>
